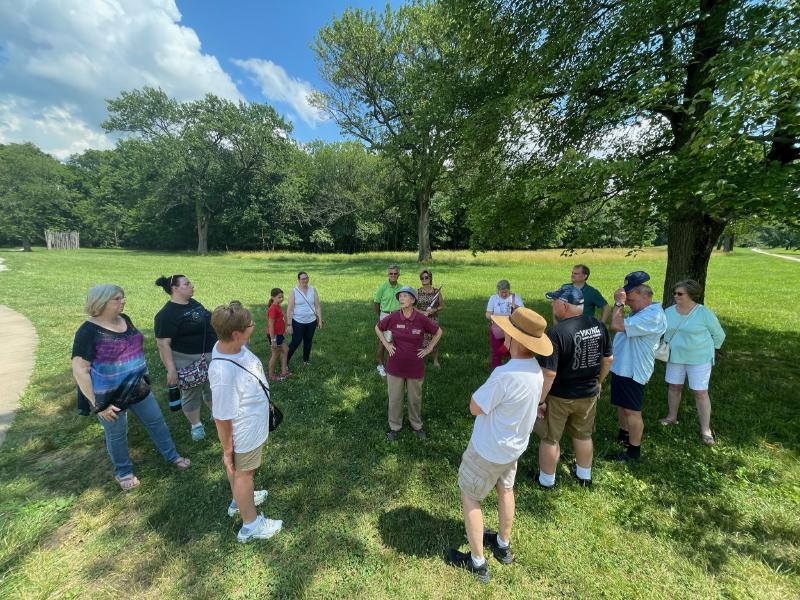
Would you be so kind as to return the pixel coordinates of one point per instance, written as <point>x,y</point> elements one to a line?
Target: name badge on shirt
<point>400,326</point>
<point>416,331</point>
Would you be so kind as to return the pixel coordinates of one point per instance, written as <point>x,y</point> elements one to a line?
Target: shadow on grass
<point>416,532</point>
<point>331,474</point>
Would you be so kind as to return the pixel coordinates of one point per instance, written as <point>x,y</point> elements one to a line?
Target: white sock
<point>501,543</point>
<point>251,524</point>
<point>582,472</point>
<point>547,480</point>
<point>197,426</point>
<point>478,562</point>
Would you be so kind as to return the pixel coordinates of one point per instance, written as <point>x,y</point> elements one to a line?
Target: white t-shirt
<point>502,306</point>
<point>304,311</point>
<point>239,398</point>
<point>509,398</point>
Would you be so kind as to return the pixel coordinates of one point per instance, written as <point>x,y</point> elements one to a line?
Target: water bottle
<point>174,398</point>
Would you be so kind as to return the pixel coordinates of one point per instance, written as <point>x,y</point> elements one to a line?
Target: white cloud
<point>278,86</point>
<point>60,61</point>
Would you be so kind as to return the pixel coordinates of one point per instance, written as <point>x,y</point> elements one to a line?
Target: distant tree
<point>32,194</point>
<point>203,150</point>
<point>395,82</point>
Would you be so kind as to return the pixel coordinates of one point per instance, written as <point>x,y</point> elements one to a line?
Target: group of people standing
<point>552,382</point>
<point>205,356</point>
<point>545,381</point>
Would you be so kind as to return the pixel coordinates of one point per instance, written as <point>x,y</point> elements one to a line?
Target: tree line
<point>488,124</point>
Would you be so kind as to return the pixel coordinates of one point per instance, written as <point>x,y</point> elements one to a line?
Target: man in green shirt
<point>592,299</point>
<point>385,301</point>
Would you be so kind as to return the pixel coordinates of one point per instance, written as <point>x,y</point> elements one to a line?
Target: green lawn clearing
<point>366,519</point>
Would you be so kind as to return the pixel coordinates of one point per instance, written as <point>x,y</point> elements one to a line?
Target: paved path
<point>794,258</point>
<point>18,341</point>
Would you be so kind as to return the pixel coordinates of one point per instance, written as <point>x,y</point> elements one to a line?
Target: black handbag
<point>275,413</point>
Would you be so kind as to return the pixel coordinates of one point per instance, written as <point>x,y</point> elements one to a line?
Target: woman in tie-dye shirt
<point>109,367</point>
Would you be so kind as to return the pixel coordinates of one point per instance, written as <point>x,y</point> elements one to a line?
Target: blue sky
<point>60,60</point>
<point>281,32</point>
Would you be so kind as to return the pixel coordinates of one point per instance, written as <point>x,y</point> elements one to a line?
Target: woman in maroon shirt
<point>402,333</point>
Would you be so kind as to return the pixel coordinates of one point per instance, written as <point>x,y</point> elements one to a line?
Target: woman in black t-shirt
<point>185,337</point>
<point>109,366</point>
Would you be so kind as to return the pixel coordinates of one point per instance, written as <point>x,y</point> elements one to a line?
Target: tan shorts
<point>248,461</point>
<point>575,416</point>
<point>477,476</point>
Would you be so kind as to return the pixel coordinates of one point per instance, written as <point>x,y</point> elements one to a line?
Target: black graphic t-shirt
<point>579,345</point>
<point>185,324</point>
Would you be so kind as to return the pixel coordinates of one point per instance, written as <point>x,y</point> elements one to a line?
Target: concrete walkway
<point>794,258</point>
<point>18,342</point>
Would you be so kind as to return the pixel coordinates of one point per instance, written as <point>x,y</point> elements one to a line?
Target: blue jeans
<point>116,432</point>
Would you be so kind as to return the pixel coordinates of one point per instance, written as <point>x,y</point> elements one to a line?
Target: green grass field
<point>366,519</point>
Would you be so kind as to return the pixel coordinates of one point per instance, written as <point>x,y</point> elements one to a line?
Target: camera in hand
<point>174,398</point>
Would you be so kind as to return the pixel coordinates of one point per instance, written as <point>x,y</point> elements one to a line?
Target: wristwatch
<point>619,304</point>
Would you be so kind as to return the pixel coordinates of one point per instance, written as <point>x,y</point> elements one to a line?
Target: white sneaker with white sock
<point>262,529</point>
<point>381,371</point>
<point>258,497</point>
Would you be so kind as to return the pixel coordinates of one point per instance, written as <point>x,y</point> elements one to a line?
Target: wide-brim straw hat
<point>527,327</point>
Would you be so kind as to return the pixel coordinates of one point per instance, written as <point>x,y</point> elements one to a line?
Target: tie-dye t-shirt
<point>118,367</point>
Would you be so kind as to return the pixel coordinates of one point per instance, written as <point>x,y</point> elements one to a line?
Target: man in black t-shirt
<point>579,364</point>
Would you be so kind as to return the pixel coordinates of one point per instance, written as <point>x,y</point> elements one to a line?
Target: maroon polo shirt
<point>407,337</point>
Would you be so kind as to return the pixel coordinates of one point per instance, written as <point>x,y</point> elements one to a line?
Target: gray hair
<point>644,289</point>
<point>395,267</point>
<point>503,285</point>
<point>98,297</point>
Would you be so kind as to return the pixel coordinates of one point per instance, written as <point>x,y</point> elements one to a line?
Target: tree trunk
<point>202,233</point>
<point>691,239</point>
<point>26,244</point>
<point>728,241</point>
<point>424,223</point>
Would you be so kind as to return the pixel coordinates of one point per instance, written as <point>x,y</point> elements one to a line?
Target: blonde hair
<point>98,297</point>
<point>229,318</point>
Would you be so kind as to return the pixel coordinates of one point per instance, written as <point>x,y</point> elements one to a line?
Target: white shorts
<point>699,375</point>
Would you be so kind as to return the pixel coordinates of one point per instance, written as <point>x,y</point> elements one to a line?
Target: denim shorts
<point>278,338</point>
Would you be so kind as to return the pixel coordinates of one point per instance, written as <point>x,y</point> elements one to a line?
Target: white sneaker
<point>258,497</point>
<point>264,529</point>
<point>198,432</point>
<point>381,371</point>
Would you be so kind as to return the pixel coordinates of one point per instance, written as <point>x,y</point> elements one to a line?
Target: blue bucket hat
<point>635,279</point>
<point>567,293</point>
<point>408,290</point>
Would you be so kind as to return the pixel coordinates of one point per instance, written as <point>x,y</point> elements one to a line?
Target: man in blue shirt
<point>634,349</point>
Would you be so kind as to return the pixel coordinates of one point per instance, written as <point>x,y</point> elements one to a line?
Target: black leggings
<point>302,332</point>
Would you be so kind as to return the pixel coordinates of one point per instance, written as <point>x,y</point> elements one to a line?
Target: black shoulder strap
<point>261,383</point>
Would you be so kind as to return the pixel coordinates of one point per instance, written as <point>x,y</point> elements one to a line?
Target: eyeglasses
<point>424,277</point>
<point>678,293</point>
<point>394,273</point>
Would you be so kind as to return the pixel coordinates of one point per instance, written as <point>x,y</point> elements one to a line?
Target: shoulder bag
<point>196,372</point>
<point>662,351</point>
<point>275,414</point>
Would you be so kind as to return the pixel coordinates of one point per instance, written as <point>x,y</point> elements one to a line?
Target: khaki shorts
<point>477,476</point>
<point>575,416</point>
<point>248,461</point>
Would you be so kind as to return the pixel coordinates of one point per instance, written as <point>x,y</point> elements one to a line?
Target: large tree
<point>396,82</point>
<point>204,150</point>
<point>32,194</point>
<point>684,111</point>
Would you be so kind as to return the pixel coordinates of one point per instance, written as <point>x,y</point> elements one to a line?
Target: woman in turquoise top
<point>693,334</point>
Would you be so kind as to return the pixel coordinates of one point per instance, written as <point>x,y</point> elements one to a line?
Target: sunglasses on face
<point>678,293</point>
<point>424,277</point>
